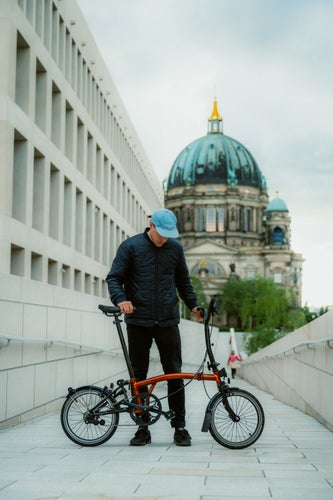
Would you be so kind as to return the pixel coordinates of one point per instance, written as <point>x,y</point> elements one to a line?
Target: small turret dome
<point>277,205</point>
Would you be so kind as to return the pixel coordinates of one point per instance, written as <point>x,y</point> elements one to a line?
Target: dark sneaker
<point>182,438</point>
<point>141,437</point>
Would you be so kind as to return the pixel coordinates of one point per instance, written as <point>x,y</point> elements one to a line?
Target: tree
<point>264,308</point>
<point>199,291</point>
<point>311,315</point>
<point>201,298</point>
<point>323,310</point>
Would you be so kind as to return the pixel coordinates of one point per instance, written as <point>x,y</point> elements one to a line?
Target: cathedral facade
<point>227,224</point>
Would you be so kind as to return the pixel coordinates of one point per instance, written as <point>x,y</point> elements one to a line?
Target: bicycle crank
<point>146,409</point>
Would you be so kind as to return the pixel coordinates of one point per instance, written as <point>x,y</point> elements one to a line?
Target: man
<point>148,270</point>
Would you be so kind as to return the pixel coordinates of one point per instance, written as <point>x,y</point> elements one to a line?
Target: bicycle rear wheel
<point>245,428</point>
<point>84,416</point>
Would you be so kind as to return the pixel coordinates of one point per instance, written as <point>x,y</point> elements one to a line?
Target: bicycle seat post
<point>117,321</point>
<point>116,313</point>
<point>210,313</point>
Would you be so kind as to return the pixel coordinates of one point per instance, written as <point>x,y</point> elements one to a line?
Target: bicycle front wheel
<point>86,416</point>
<point>246,426</point>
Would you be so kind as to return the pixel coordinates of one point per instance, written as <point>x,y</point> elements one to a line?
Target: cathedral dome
<point>215,159</point>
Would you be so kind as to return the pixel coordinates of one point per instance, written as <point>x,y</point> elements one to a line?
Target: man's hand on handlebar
<point>197,311</point>
<point>126,307</point>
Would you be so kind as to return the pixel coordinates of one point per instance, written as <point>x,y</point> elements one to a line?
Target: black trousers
<point>167,339</point>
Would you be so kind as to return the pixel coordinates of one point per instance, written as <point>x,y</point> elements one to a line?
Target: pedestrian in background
<point>234,363</point>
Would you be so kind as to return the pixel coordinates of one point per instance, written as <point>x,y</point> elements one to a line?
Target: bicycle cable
<point>205,357</point>
<point>199,370</point>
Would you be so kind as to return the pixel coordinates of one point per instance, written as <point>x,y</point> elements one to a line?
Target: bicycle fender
<point>72,391</point>
<point>207,419</point>
<point>208,413</point>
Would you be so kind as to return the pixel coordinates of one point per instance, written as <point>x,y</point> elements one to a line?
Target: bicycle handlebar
<point>206,314</point>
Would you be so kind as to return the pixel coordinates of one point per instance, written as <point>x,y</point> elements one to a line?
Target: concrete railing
<point>298,369</point>
<point>52,338</point>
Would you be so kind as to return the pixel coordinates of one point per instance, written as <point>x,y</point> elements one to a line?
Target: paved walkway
<point>292,459</point>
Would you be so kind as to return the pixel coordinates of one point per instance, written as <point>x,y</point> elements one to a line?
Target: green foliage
<point>323,310</point>
<point>295,319</point>
<point>311,315</point>
<point>199,291</point>
<point>201,298</point>
<point>265,309</point>
<point>254,341</point>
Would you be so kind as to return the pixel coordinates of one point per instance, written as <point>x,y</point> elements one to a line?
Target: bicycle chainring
<point>146,410</point>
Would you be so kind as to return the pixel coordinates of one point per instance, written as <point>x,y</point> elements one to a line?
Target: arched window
<point>247,226</point>
<point>209,268</point>
<point>200,219</point>
<point>277,278</point>
<point>220,222</point>
<point>210,219</point>
<point>277,236</point>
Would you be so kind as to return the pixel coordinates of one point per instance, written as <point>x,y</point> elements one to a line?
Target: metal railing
<point>49,342</point>
<point>306,343</point>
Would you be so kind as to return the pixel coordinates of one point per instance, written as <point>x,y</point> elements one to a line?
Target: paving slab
<point>292,459</point>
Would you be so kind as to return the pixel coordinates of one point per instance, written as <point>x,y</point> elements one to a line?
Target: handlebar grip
<point>202,311</point>
<point>211,309</point>
<point>109,310</point>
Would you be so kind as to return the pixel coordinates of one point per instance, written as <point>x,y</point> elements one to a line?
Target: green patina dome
<point>215,159</point>
<point>277,205</point>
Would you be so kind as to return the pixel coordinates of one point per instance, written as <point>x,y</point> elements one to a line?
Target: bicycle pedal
<point>169,414</point>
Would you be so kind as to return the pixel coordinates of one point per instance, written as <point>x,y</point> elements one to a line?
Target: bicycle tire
<point>74,417</point>
<point>250,419</point>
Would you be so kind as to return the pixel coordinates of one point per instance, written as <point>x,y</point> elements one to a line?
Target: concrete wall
<point>34,374</point>
<point>296,374</point>
<point>37,368</point>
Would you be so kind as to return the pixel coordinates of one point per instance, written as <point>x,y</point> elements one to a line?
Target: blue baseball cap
<point>165,222</point>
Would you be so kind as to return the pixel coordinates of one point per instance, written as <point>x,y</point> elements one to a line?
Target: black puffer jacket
<point>149,277</point>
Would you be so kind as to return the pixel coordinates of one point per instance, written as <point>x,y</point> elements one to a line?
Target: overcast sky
<point>270,65</point>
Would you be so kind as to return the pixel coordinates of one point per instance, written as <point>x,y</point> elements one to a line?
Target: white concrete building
<point>74,182</point>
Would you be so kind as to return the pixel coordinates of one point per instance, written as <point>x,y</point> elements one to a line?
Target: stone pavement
<point>292,459</point>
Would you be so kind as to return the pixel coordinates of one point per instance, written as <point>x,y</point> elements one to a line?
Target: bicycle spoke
<point>247,427</point>
<point>81,421</point>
